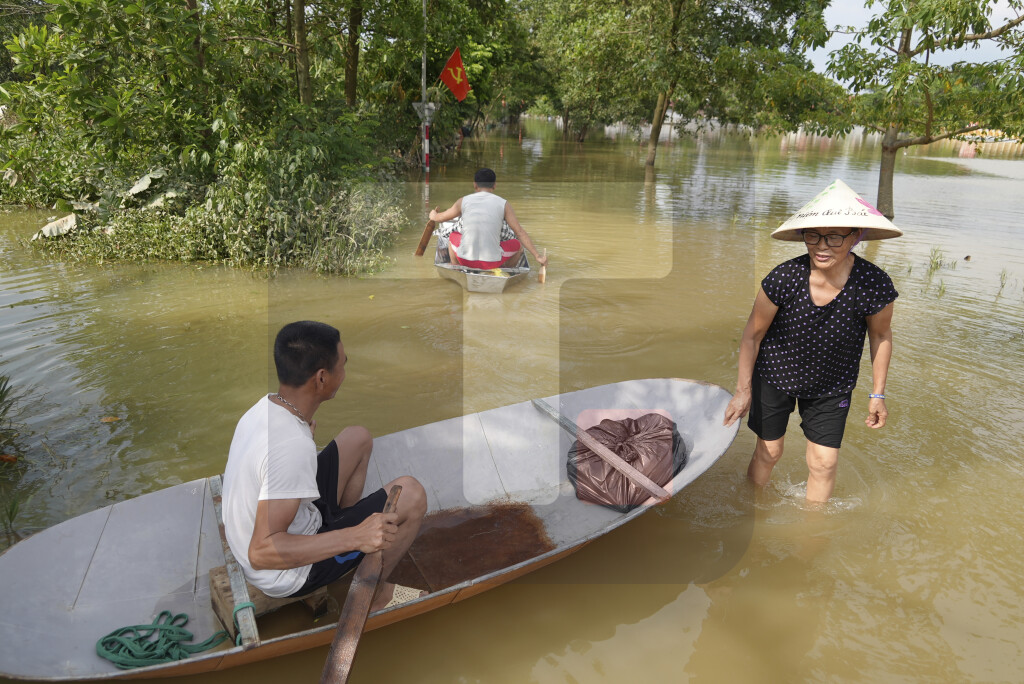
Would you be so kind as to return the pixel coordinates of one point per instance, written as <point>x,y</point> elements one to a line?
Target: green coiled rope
<point>163,641</point>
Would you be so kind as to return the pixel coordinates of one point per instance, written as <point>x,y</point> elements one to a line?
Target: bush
<point>345,233</point>
<point>189,144</point>
<point>302,193</point>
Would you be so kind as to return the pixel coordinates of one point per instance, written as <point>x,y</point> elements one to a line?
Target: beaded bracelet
<point>876,396</point>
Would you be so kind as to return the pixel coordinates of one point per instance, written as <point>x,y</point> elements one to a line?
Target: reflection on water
<point>911,573</point>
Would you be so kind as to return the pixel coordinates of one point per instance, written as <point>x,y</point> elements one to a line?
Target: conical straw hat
<point>837,206</point>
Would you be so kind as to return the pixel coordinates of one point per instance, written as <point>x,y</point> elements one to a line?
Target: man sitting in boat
<point>293,518</point>
<point>479,244</point>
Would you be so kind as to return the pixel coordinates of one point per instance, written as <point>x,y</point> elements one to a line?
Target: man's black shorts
<point>823,419</point>
<point>335,518</point>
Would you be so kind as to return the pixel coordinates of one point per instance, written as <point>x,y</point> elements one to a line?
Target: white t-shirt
<point>483,213</point>
<point>272,456</point>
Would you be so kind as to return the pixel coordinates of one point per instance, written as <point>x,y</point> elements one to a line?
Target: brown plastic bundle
<point>650,443</point>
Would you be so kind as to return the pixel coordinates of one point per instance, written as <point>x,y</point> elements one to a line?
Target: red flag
<point>454,76</point>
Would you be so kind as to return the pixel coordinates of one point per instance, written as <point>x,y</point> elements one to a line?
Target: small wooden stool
<point>229,588</point>
<point>224,602</point>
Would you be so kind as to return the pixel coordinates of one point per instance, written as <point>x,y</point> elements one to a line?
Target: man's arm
<point>273,548</point>
<point>524,238</point>
<point>453,212</point>
<point>880,339</point>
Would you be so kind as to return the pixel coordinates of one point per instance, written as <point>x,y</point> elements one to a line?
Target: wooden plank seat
<point>224,602</point>
<point>229,588</point>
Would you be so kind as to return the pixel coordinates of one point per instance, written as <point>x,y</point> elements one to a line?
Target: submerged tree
<point>734,61</point>
<point>905,95</point>
<point>596,54</point>
<point>731,60</point>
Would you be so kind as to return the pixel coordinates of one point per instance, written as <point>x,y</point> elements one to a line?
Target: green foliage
<point>127,73</point>
<point>906,92</point>
<point>597,58</point>
<point>499,54</point>
<point>275,202</point>
<point>112,92</point>
<point>735,61</point>
<point>892,65</point>
<point>747,65</point>
<point>518,76</point>
<point>773,90</point>
<point>16,16</point>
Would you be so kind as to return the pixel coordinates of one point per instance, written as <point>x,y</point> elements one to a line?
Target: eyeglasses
<point>832,239</point>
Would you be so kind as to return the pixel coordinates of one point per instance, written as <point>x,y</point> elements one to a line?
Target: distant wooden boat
<point>478,280</point>
<point>499,506</point>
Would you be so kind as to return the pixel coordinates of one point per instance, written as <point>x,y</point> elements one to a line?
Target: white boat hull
<point>478,280</point>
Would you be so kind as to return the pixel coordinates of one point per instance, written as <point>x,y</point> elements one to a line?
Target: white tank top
<point>482,216</point>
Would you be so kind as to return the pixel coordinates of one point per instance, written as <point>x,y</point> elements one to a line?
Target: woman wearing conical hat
<point>804,339</point>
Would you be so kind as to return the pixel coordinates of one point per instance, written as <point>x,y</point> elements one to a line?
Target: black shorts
<point>335,517</point>
<point>823,419</point>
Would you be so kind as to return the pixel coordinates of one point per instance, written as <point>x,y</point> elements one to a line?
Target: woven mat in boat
<point>443,230</point>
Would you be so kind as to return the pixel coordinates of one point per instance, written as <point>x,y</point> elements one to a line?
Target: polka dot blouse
<point>814,351</point>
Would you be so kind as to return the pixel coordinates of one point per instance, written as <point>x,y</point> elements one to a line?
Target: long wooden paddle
<point>613,459</point>
<point>428,230</point>
<point>543,275</point>
<point>356,609</point>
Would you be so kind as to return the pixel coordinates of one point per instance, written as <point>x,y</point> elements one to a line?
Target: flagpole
<point>423,99</point>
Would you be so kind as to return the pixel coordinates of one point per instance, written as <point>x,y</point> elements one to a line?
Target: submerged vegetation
<point>341,233</point>
<point>6,402</point>
<point>937,260</point>
<point>10,502</point>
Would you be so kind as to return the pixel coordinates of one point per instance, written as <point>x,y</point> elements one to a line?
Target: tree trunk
<point>355,27</point>
<point>301,52</point>
<point>289,36</point>
<point>656,121</point>
<point>885,173</point>
<point>891,138</point>
<point>197,44</point>
<point>661,108</point>
<point>288,23</point>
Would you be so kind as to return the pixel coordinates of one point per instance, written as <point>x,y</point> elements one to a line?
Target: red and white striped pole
<point>426,112</point>
<point>426,149</point>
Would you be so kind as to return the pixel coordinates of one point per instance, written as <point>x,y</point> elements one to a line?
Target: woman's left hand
<point>877,413</point>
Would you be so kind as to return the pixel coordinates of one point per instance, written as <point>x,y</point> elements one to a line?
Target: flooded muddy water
<point>131,378</point>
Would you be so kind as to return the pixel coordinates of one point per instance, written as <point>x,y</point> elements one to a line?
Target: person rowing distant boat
<point>479,243</point>
<point>805,336</point>
<point>294,519</point>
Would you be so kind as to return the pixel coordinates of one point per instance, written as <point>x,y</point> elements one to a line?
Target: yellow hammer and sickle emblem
<point>456,73</point>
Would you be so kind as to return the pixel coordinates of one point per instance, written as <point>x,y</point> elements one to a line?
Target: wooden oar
<point>542,276</point>
<point>613,459</point>
<point>428,230</point>
<point>357,607</point>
